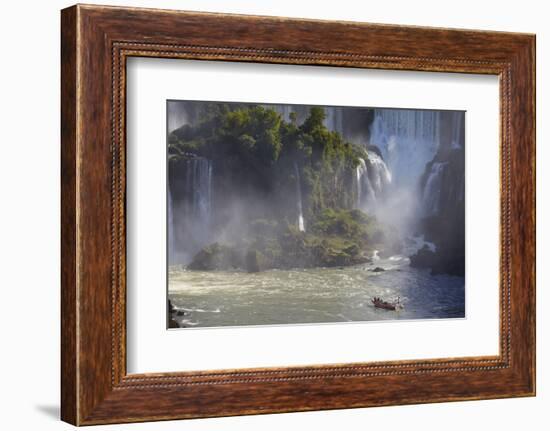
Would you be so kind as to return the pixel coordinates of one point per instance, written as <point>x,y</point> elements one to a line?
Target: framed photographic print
<point>265,214</point>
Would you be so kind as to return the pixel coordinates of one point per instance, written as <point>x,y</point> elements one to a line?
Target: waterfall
<point>431,195</point>
<point>200,188</point>
<point>176,114</point>
<point>334,120</point>
<point>190,206</point>
<point>458,130</point>
<point>443,179</point>
<point>407,139</point>
<point>283,110</point>
<point>301,226</point>
<point>360,172</point>
<point>372,180</point>
<point>457,140</point>
<point>380,175</point>
<point>286,111</point>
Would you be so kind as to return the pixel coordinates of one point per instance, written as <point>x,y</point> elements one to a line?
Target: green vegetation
<point>337,238</point>
<point>263,158</point>
<point>254,145</point>
<point>352,225</point>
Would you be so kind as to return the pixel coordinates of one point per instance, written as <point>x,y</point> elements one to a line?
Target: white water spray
<point>301,226</point>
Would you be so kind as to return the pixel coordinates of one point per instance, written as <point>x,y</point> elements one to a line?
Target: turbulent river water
<point>313,295</point>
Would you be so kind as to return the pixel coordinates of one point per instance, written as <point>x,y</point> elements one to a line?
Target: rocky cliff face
<point>240,164</point>
<point>443,200</point>
<point>234,167</point>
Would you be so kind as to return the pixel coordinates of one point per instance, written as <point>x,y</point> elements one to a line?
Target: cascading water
<point>177,115</point>
<point>457,129</point>
<point>283,110</point>
<point>372,181</point>
<point>301,226</point>
<point>286,111</point>
<point>399,180</point>
<point>407,139</point>
<point>360,171</point>
<point>431,195</point>
<point>192,205</point>
<point>334,120</point>
<point>200,188</point>
<point>380,175</point>
<point>441,185</point>
<point>412,164</point>
<point>203,189</point>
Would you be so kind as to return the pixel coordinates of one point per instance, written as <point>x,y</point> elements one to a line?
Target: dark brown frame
<point>95,43</point>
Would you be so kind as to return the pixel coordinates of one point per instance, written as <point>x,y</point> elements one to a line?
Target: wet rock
<point>377,269</point>
<point>171,308</point>
<point>172,323</point>
<point>441,261</point>
<point>252,261</point>
<point>424,258</point>
<point>216,257</point>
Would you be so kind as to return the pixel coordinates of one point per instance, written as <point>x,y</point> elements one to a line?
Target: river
<point>313,295</point>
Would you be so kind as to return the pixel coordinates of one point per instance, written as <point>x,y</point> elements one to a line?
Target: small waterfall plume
<point>301,226</point>
<point>360,171</point>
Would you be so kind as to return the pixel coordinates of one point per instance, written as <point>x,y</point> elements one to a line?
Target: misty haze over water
<point>288,214</point>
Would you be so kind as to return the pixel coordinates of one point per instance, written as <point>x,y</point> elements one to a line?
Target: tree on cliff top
<point>254,147</point>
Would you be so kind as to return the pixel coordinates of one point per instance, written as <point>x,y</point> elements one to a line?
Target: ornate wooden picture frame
<point>96,41</point>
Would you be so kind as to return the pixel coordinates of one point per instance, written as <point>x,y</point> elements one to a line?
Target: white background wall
<point>29,215</point>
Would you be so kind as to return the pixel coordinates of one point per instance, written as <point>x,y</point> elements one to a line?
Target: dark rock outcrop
<point>443,195</point>
<point>440,262</point>
<point>377,269</point>
<point>173,324</point>
<point>217,257</point>
<point>252,261</point>
<point>336,238</point>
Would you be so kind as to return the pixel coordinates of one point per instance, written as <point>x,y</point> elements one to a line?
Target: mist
<point>401,177</point>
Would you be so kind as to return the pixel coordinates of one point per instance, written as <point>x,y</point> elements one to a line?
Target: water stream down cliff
<point>409,171</point>
<point>189,215</point>
<point>284,214</point>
